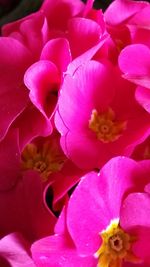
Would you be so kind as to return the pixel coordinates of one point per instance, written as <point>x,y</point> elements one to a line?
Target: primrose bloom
<point>36,51</point>
<point>106,222</point>
<point>95,117</point>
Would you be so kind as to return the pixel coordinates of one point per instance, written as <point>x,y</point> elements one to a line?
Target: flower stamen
<point>116,247</point>
<point>45,160</point>
<point>106,127</point>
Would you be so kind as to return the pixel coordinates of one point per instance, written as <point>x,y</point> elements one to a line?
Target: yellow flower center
<point>46,159</point>
<point>105,126</point>
<point>116,247</point>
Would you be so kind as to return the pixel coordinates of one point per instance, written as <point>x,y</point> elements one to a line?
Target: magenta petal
<point>60,11</point>
<point>81,150</point>
<point>38,125</point>
<point>15,59</point>
<point>141,19</point>
<point>133,205</point>
<point>87,214</point>
<point>135,217</point>
<point>121,10</point>
<point>43,79</point>
<point>67,182</point>
<point>143,97</point>
<point>24,207</point>
<point>86,56</point>
<point>57,51</point>
<point>31,30</point>
<point>57,251</point>
<point>92,205</point>
<point>134,61</point>
<point>88,7</point>
<point>15,250</point>
<point>10,171</point>
<point>79,94</point>
<point>86,31</point>
<point>61,226</point>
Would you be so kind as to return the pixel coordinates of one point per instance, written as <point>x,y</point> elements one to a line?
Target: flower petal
<point>10,171</point>
<point>15,59</point>
<point>57,251</point>
<point>16,251</point>
<point>134,61</point>
<point>58,52</point>
<point>135,217</point>
<point>42,79</point>
<point>97,200</point>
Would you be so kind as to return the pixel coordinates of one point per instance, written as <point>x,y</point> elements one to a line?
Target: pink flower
<point>101,224</point>
<point>95,117</point>
<point>43,47</point>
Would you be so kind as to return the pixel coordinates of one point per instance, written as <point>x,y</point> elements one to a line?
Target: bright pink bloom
<point>117,192</point>
<point>40,36</point>
<point>95,117</point>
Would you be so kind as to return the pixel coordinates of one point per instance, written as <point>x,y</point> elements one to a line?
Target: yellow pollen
<point>105,126</point>
<point>116,247</point>
<point>45,160</point>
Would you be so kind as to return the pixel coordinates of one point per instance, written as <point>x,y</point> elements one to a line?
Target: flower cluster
<point>75,136</point>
